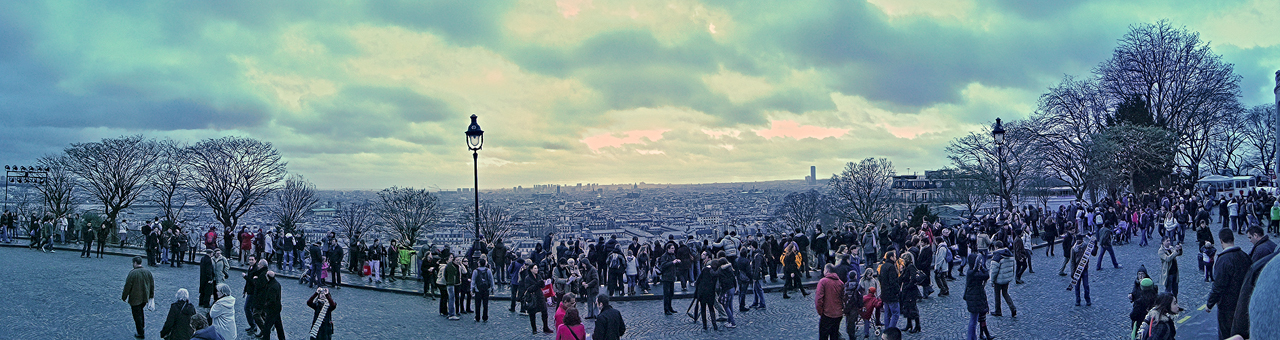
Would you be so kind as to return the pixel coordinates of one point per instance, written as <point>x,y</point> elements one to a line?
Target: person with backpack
<point>852,303</point>
<point>482,285</point>
<point>617,268</point>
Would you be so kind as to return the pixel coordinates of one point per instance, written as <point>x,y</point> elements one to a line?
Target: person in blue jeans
<point>975,295</point>
<point>1077,255</point>
<point>1104,245</point>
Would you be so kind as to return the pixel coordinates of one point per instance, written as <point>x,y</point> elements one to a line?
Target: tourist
<point>589,288</point>
<point>202,329</point>
<point>910,278</point>
<point>1207,256</point>
<point>207,283</point>
<point>1002,273</point>
<point>1168,254</point>
<point>178,325</point>
<point>852,303</point>
<point>1228,276</point>
<point>871,306</point>
<point>609,323</point>
<point>270,305</point>
<point>829,302</point>
<point>534,301</point>
<point>1079,261</point>
<point>890,288</point>
<point>1159,324</point>
<point>632,273</point>
<point>223,312</point>
<point>571,328</point>
<point>452,275</point>
<point>1262,245</point>
<point>482,286</point>
<point>668,266</point>
<point>253,298</point>
<point>727,281</point>
<point>792,262</point>
<point>941,261</point>
<point>139,291</point>
<point>975,296</point>
<point>322,319</point>
<point>86,234</point>
<point>705,294</point>
<point>1143,297</point>
<point>334,255</point>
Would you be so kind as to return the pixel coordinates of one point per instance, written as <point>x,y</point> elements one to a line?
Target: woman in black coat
<point>705,293</point>
<point>910,294</point>
<point>178,325</point>
<point>975,294</point>
<point>534,301</point>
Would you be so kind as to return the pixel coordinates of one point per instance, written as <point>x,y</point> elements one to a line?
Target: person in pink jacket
<point>572,329</point>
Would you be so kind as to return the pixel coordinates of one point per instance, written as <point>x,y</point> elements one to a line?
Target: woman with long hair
<point>1159,324</point>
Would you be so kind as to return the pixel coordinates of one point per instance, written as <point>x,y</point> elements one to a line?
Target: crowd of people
<point>871,276</point>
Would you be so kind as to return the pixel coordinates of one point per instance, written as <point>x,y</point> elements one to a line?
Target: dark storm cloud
<point>361,112</point>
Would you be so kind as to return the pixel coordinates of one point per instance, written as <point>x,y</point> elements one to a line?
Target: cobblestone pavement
<point>64,297</point>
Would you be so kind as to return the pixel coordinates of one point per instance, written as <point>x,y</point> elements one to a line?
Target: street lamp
<point>997,133</point>
<point>475,140</point>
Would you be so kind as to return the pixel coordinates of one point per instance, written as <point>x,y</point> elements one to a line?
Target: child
<point>1206,260</point>
<point>870,306</point>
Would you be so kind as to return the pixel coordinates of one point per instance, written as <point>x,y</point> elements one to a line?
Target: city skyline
<point>372,95</point>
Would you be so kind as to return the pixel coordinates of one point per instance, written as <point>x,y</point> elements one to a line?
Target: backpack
<point>852,300</point>
<point>615,261</point>
<point>484,280</point>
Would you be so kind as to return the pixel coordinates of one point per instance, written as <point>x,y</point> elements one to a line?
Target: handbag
<point>548,290</point>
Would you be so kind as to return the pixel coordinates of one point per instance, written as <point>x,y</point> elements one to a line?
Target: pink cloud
<point>615,140</point>
<point>789,128</point>
<point>570,8</point>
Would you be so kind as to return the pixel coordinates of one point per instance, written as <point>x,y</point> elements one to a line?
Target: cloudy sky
<point>372,94</point>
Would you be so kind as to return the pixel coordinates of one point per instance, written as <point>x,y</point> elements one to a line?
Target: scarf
<point>324,309</point>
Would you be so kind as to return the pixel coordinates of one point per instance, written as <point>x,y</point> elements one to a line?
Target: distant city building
<point>813,175</point>
<point>924,189</point>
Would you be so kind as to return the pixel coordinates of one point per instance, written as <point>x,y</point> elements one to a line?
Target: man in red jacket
<point>829,302</point>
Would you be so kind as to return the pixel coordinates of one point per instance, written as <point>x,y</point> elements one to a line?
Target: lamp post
<point>997,133</point>
<point>475,140</point>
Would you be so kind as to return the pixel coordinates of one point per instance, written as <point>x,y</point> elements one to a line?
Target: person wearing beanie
<point>1143,297</point>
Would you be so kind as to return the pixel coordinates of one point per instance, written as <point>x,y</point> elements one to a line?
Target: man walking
<point>1228,276</point>
<point>269,301</point>
<point>609,324</point>
<point>139,291</point>
<point>829,301</point>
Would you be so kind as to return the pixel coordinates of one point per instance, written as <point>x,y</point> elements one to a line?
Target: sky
<point>372,94</point>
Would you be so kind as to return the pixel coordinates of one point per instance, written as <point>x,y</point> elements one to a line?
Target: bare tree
<point>966,189</point>
<point>1226,153</point>
<point>1186,87</point>
<point>114,171</point>
<point>172,180</point>
<point>57,188</point>
<point>1260,137</point>
<point>292,203</point>
<point>862,192</point>
<point>1068,116</point>
<point>407,212</point>
<point>496,221</point>
<point>234,174</point>
<point>1002,169</point>
<point>355,221</point>
<point>799,210</point>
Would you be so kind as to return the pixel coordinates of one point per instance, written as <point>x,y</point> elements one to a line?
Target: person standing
<point>87,234</point>
<point>452,277</point>
<point>975,296</point>
<point>139,291</point>
<point>941,260</point>
<point>153,246</point>
<point>1077,256</point>
<point>609,324</point>
<point>668,265</point>
<point>535,303</point>
<point>1169,263</point>
<point>890,288</point>
<point>1228,277</point>
<point>178,325</point>
<point>482,286</point>
<point>322,321</point>
<point>207,283</point>
<point>1262,245</point>
<point>829,302</point>
<point>271,306</point>
<point>335,264</point>
<point>1159,323</point>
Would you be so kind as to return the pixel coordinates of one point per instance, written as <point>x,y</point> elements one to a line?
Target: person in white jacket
<point>223,312</point>
<point>941,268</point>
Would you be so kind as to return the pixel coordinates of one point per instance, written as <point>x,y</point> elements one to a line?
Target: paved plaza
<point>61,296</point>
